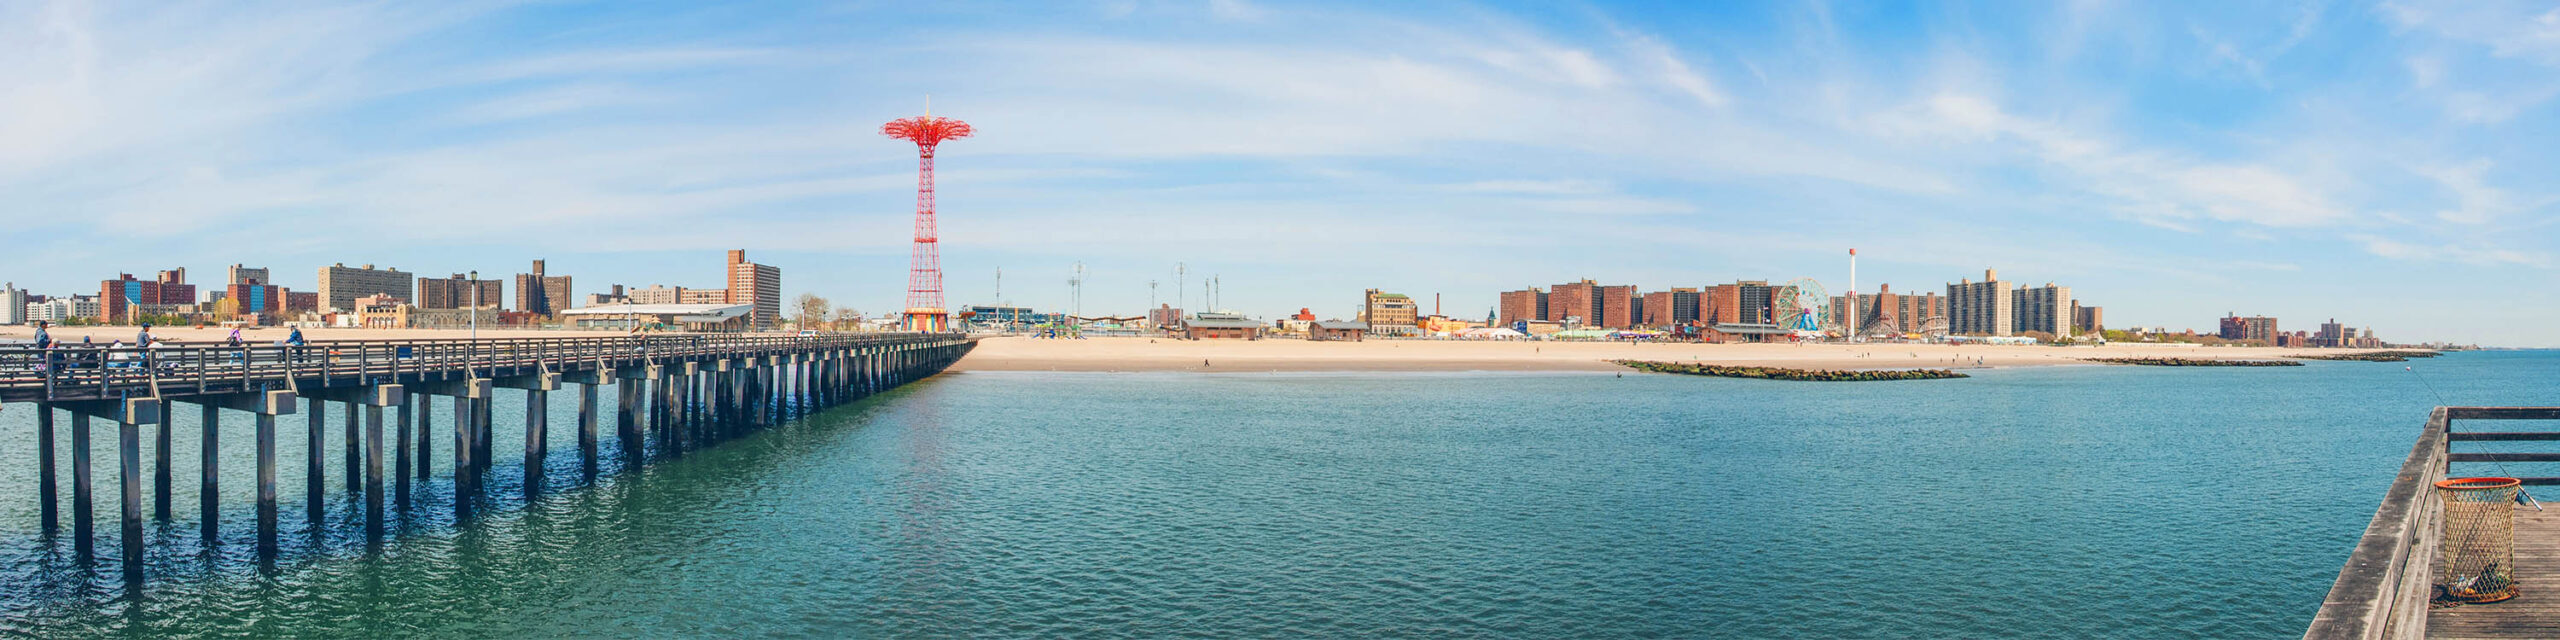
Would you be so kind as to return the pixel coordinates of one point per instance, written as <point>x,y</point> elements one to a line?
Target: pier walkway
<point>2384,591</point>
<point>681,391</point>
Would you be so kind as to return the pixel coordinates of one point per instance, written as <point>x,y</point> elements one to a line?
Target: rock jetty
<point>2354,357</point>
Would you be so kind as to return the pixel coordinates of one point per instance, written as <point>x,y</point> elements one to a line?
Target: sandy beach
<point>1158,354</point>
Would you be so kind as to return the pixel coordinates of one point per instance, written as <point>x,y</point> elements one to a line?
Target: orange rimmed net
<point>2477,563</point>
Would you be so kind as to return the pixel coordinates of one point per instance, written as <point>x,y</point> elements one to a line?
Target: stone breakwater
<point>1778,373</point>
<point>2195,362</point>
<point>2355,357</point>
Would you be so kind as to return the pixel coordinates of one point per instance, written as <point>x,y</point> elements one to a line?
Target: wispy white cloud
<point>2476,201</point>
<point>2158,187</point>
<point>2465,254</point>
<point>1535,187</point>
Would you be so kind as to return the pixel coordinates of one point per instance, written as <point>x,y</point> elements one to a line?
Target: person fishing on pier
<point>44,346</point>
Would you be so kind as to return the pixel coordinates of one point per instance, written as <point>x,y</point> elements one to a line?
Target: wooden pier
<point>2384,592</point>
<point>684,391</point>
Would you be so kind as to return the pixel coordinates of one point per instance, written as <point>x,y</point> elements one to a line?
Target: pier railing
<point>2384,589</point>
<point>86,372</point>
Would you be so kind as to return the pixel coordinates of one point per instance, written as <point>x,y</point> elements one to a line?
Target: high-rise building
<point>340,285</point>
<point>1984,308</point>
<point>2333,334</point>
<point>756,284</point>
<point>1594,304</point>
<point>460,292</point>
<point>1616,306</point>
<point>2046,309</point>
<point>301,301</point>
<point>1389,314</point>
<point>61,309</point>
<point>705,296</point>
<point>1164,316</point>
<point>120,297</point>
<point>1918,312</point>
<point>1886,311</point>
<point>603,299</point>
<point>541,294</point>
<point>1525,304</point>
<point>1574,302</point>
<point>1744,302</point>
<point>248,275</point>
<point>263,302</point>
<point>13,304</point>
<point>2089,319</point>
<point>662,294</point>
<point>2260,329</point>
<point>1657,310</point>
<point>1684,305</point>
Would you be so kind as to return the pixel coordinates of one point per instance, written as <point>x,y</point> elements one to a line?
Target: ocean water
<point>2065,502</point>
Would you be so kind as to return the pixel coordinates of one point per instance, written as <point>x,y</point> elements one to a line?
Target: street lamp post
<point>475,306</point>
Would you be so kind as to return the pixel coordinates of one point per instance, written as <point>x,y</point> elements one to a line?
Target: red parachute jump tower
<point>924,273</point>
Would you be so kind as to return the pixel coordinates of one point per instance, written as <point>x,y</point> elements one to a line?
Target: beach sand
<point>1161,354</point>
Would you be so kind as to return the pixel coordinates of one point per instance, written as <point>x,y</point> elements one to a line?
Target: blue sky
<point>2384,163</point>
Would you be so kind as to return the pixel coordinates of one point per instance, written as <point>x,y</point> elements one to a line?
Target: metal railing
<point>82,372</point>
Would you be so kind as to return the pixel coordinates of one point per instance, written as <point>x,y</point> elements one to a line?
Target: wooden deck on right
<point>2535,613</point>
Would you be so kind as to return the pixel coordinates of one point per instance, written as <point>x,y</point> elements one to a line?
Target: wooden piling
<point>355,452</point>
<point>83,530</point>
<point>426,441</point>
<point>160,469</point>
<point>209,488</point>
<point>373,472</point>
<point>587,426</point>
<point>315,501</point>
<point>462,446</point>
<point>129,448</point>
<point>400,451</point>
<point>45,495</point>
<point>537,418</point>
<point>626,421</point>
<point>481,412</point>
<point>266,484</point>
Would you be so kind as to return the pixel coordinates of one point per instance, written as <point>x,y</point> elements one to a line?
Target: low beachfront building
<point>1223,326</point>
<point>677,317</point>
<point>1337,330</point>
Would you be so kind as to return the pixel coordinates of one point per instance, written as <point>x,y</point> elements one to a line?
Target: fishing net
<point>2479,556</point>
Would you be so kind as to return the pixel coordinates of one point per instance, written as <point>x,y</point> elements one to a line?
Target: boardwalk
<point>681,391</point>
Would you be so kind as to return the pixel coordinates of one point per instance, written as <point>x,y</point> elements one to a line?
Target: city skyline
<point>2288,161</point>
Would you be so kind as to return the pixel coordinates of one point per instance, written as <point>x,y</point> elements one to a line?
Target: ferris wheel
<point>1801,305</point>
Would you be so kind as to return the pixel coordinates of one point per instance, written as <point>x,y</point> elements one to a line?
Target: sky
<point>2382,163</point>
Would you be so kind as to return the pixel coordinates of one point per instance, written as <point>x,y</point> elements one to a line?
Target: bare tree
<point>846,319</point>
<point>813,310</point>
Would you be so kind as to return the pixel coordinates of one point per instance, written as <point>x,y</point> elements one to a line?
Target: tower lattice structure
<point>924,272</point>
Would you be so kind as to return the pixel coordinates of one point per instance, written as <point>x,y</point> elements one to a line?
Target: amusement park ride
<point>924,274</point>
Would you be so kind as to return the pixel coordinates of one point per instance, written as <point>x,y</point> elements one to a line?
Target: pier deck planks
<point>2536,613</point>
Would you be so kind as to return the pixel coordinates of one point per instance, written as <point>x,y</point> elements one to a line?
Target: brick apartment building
<point>117,297</point>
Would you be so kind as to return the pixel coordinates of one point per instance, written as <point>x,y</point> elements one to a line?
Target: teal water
<point>2054,502</point>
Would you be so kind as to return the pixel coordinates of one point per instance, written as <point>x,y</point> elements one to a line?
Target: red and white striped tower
<point>924,272</point>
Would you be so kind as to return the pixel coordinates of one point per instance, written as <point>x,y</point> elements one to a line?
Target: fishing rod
<point>2522,496</point>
